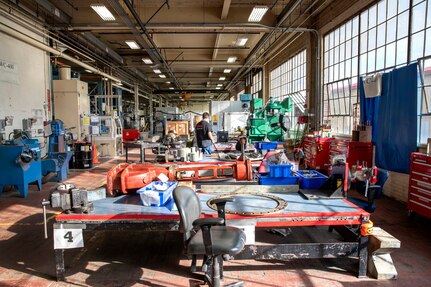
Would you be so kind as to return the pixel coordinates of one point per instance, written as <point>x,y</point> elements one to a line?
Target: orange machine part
<point>138,175</point>
<point>113,178</point>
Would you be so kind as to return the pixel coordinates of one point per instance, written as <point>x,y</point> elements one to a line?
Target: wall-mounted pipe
<point>24,38</point>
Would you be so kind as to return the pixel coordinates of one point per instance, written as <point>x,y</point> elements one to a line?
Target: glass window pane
<point>342,33</point>
<point>380,57</point>
<point>425,132</point>
<point>355,67</point>
<point>325,59</point>
<point>364,42</point>
<point>355,26</point>
<point>355,46</point>
<point>348,68</point>
<point>418,17</point>
<point>429,14</point>
<point>372,39</point>
<point>372,16</point>
<point>371,61</point>
<point>390,30</point>
<point>402,51</point>
<point>428,43</point>
<point>363,64</point>
<point>417,46</point>
<point>390,55</point>
<point>341,70</point>
<point>342,52</point>
<point>403,27</point>
<point>392,8</point>
<point>381,12</point>
<point>364,21</point>
<point>336,55</point>
<point>348,30</point>
<point>403,5</point>
<point>381,31</point>
<point>348,49</point>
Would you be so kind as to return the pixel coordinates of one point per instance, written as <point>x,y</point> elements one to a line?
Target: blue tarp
<point>393,116</point>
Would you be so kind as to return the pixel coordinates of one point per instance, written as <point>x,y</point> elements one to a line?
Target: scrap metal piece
<point>258,203</point>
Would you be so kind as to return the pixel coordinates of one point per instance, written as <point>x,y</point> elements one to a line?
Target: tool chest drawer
<point>316,152</point>
<point>419,198</point>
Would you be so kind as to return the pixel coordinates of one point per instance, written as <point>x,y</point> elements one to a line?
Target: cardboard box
<point>366,135</point>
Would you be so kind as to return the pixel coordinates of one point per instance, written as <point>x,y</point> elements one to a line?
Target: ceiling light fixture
<point>222,78</point>
<point>103,12</point>
<point>168,82</point>
<point>132,45</point>
<point>171,88</point>
<point>231,59</point>
<point>241,41</point>
<point>162,76</point>
<point>157,71</point>
<point>227,71</point>
<point>218,88</point>
<point>257,13</point>
<point>219,85</point>
<point>88,71</point>
<point>147,61</point>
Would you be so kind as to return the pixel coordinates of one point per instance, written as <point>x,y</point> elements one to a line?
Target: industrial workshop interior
<point>269,143</point>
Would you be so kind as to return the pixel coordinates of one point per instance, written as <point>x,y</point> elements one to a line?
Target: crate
<point>310,179</point>
<point>265,146</point>
<point>156,193</point>
<point>288,180</point>
<point>280,170</point>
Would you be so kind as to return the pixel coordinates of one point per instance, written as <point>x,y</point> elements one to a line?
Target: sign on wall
<point>9,72</point>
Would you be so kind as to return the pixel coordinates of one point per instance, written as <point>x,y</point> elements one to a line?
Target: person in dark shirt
<point>204,137</point>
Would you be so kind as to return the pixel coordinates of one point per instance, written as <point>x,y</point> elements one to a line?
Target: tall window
<point>376,40</point>
<point>256,84</point>
<point>289,80</point>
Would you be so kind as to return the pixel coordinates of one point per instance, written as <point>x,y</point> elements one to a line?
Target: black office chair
<point>208,237</point>
<point>373,192</point>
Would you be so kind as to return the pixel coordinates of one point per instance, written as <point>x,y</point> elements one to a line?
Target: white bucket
<point>65,73</point>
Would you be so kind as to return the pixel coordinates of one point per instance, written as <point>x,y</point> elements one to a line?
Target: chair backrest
<point>189,207</point>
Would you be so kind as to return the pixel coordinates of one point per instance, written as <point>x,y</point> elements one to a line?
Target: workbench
<point>126,213</point>
<point>142,147</point>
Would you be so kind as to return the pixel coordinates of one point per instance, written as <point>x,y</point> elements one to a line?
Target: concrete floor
<point>113,258</point>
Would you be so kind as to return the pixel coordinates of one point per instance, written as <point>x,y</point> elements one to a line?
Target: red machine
<point>130,135</point>
<point>124,176</point>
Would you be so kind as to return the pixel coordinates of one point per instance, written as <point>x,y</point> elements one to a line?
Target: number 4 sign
<point>68,238</point>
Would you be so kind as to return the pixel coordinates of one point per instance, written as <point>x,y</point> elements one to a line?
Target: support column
<point>160,101</point>
<point>136,90</point>
<point>150,112</point>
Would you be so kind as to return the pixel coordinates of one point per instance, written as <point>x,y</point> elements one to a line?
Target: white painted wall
<point>25,96</point>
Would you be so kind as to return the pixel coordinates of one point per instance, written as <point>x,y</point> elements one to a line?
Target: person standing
<point>204,136</point>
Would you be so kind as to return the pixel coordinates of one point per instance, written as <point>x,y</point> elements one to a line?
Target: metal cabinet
<point>316,152</point>
<point>419,197</point>
<point>356,152</point>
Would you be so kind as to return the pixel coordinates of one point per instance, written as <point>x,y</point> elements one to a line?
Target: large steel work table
<point>126,212</point>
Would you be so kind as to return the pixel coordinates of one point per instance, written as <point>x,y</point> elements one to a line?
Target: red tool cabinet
<point>419,197</point>
<point>316,152</point>
<point>355,152</point>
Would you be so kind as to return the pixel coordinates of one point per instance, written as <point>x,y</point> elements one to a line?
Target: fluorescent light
<point>219,85</point>
<point>103,12</point>
<point>218,88</point>
<point>222,78</point>
<point>257,13</point>
<point>171,88</point>
<point>157,71</point>
<point>227,71</point>
<point>147,61</point>
<point>241,41</point>
<point>132,45</point>
<point>231,59</point>
<point>168,82</point>
<point>162,76</point>
<point>120,83</point>
<point>88,71</point>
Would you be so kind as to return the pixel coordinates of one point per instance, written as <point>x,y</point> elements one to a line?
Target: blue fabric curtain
<point>393,116</point>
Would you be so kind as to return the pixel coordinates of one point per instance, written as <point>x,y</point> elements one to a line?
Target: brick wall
<point>397,186</point>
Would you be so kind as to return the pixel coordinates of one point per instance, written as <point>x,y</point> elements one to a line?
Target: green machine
<point>268,122</point>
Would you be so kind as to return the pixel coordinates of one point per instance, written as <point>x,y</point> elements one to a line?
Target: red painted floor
<point>126,258</point>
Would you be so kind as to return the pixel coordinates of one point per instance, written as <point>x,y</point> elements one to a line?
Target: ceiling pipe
<point>24,38</point>
<point>102,46</point>
<point>156,51</point>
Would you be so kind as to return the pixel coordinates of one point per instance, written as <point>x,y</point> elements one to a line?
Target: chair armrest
<point>221,203</point>
<point>208,222</point>
<point>222,200</point>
